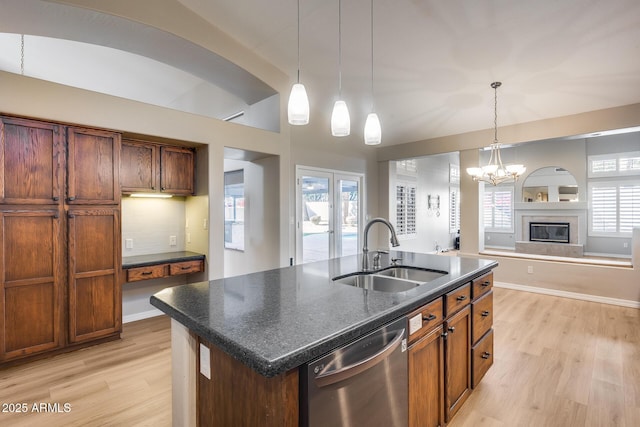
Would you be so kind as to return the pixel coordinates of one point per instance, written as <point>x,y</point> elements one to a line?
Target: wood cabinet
<point>150,168</point>
<point>31,282</point>
<point>59,251</point>
<point>31,162</point>
<point>95,307</point>
<point>482,329</point>
<point>93,167</point>
<point>458,361</point>
<point>426,379</point>
<point>157,271</point>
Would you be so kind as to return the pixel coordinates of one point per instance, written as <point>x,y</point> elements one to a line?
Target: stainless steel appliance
<point>364,383</point>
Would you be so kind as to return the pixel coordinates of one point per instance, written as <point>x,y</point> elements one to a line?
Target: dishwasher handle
<point>336,375</point>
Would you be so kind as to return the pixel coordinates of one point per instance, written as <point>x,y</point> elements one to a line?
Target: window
<point>234,210</point>
<point>614,208</point>
<point>406,210</point>
<point>498,209</point>
<point>616,164</point>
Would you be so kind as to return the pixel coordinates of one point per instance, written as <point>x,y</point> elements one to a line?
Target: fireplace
<point>552,232</point>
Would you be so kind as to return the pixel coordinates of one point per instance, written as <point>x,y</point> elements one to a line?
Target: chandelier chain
<point>495,111</point>
<point>22,54</point>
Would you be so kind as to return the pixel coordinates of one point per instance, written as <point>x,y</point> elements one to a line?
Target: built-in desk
<point>154,266</point>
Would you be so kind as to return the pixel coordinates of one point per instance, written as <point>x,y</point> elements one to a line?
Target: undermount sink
<point>412,273</point>
<point>392,279</point>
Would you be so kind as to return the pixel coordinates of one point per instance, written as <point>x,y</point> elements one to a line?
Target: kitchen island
<point>264,326</point>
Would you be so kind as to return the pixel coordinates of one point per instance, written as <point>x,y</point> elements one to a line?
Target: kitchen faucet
<point>365,248</point>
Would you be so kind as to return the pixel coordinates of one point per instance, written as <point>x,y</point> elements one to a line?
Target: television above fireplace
<point>551,232</point>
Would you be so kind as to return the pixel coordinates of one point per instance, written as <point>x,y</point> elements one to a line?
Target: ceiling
<point>434,60</point>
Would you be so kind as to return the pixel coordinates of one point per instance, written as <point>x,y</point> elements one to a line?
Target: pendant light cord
<point>298,41</point>
<point>340,49</point>
<point>373,98</point>
<point>22,54</point>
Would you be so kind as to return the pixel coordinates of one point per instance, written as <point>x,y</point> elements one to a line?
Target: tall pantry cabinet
<point>59,237</point>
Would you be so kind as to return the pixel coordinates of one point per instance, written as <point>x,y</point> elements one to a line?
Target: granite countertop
<point>277,320</point>
<point>155,259</point>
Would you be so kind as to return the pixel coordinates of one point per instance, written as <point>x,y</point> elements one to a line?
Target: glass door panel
<point>316,221</point>
<point>348,215</point>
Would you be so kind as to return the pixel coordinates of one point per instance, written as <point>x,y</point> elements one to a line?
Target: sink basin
<point>375,282</point>
<point>412,273</point>
<point>391,279</point>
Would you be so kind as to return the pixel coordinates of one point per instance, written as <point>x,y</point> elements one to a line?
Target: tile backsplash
<point>149,223</point>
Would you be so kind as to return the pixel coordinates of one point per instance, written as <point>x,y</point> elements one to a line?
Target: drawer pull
<point>146,273</point>
<point>485,284</point>
<point>485,313</point>
<point>185,268</point>
<point>486,355</point>
<point>56,198</point>
<point>461,298</point>
<point>429,317</point>
<point>452,329</point>
<point>71,198</point>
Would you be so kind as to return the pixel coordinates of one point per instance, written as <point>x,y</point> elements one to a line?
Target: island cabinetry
<point>482,330</point>
<point>94,265</point>
<point>236,395</point>
<point>31,162</point>
<point>93,167</point>
<point>152,168</point>
<point>31,282</point>
<point>457,360</point>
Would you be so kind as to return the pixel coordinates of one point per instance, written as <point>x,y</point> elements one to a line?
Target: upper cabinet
<point>93,167</point>
<point>152,168</point>
<point>31,162</point>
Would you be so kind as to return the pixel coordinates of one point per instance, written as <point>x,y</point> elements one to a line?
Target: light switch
<point>188,237</point>
<point>205,361</point>
<point>204,223</point>
<point>173,241</point>
<point>128,243</point>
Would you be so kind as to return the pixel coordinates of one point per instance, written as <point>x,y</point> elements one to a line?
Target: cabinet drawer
<point>185,267</point>
<point>481,285</point>
<point>482,358</point>
<point>145,273</point>
<point>457,299</point>
<point>482,312</point>
<point>425,319</point>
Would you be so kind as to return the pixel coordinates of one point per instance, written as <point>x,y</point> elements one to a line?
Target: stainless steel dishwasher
<point>364,383</point>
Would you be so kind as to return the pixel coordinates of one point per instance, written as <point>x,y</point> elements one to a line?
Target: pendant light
<point>298,108</point>
<point>372,130</point>
<point>495,172</point>
<point>340,121</point>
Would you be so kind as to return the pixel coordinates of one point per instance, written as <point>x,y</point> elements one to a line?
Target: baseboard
<point>566,294</point>
<point>142,315</point>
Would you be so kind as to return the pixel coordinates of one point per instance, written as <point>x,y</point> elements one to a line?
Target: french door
<point>328,213</point>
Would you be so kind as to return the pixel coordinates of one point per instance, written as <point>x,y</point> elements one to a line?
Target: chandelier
<point>495,172</point>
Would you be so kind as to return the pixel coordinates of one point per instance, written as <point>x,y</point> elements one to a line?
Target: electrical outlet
<point>625,245</point>
<point>530,269</point>
<point>128,243</point>
<point>173,240</point>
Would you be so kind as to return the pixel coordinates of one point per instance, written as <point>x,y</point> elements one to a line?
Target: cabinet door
<point>176,170</point>
<point>94,165</point>
<point>138,167</point>
<point>31,294</point>
<point>457,361</point>
<point>31,162</point>
<point>426,381</point>
<point>95,299</point>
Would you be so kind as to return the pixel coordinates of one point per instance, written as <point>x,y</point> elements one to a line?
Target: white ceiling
<point>434,59</point>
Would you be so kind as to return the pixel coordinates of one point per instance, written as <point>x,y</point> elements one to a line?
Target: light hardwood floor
<point>558,362</point>
<point>120,383</point>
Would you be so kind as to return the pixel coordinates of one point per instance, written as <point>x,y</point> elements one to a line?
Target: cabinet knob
<point>70,215</point>
<point>461,298</point>
<point>486,355</point>
<point>485,313</point>
<point>71,198</point>
<point>485,284</point>
<point>56,198</point>
<point>163,188</point>
<point>452,329</point>
<point>429,317</point>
